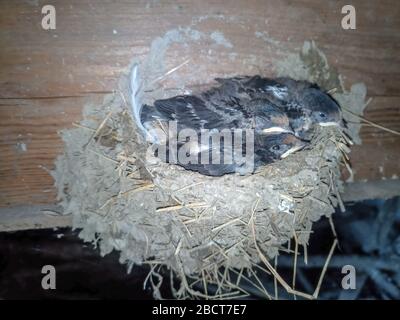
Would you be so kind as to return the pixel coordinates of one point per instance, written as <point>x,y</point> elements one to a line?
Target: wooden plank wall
<point>47,76</point>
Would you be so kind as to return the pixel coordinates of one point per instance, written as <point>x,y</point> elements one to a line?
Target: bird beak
<point>299,145</point>
<point>275,130</point>
<point>329,124</point>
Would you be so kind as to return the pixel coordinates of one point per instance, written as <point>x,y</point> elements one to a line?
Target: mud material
<point>198,226</point>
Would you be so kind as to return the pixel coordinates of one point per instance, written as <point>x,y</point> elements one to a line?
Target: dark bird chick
<point>266,149</point>
<point>304,103</point>
<point>273,147</point>
<point>267,126</point>
<point>197,113</point>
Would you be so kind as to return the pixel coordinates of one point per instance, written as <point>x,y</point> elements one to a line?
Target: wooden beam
<point>33,217</point>
<point>359,191</point>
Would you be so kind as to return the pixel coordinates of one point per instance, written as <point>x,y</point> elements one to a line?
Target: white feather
<point>135,85</point>
<point>135,96</point>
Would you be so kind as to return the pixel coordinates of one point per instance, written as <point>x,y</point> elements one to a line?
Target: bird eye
<point>322,115</point>
<point>276,147</point>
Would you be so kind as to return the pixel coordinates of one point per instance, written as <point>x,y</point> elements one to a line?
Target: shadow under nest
<point>368,235</point>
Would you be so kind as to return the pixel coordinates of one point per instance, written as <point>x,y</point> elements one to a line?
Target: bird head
<point>322,108</point>
<point>278,146</point>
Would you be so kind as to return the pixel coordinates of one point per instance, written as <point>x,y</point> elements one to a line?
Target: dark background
<point>368,234</point>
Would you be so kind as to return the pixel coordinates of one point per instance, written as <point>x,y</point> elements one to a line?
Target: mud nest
<point>161,214</point>
<point>205,230</point>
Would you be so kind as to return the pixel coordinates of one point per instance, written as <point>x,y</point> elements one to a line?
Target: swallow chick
<point>304,103</point>
<point>265,149</point>
<point>196,118</point>
<point>193,112</point>
<point>274,147</point>
<point>267,126</point>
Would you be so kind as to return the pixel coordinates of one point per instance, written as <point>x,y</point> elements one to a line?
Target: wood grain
<point>46,77</point>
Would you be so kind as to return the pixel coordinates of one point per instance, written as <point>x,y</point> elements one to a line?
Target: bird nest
<point>205,229</point>
<point>210,232</point>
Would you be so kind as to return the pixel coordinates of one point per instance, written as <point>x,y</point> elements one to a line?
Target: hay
<point>204,229</point>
